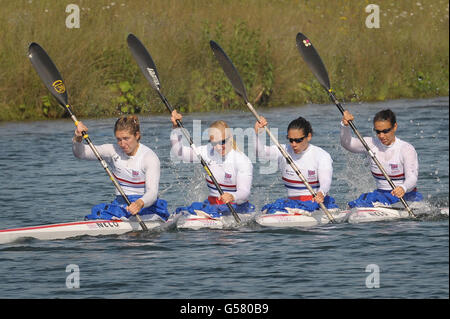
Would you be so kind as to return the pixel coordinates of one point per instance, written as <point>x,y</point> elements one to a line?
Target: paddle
<point>238,85</point>
<point>314,62</point>
<point>52,79</point>
<point>148,68</point>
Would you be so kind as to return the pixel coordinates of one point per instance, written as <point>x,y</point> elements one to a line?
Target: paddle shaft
<point>105,166</point>
<point>236,81</point>
<point>315,64</point>
<point>291,163</point>
<point>369,151</point>
<point>202,161</point>
<point>148,68</point>
<point>50,76</point>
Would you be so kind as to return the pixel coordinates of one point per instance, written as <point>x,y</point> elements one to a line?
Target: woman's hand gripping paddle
<point>148,68</point>
<point>238,85</point>
<point>52,79</point>
<point>315,64</point>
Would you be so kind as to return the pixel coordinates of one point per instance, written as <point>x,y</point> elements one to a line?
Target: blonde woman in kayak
<point>231,168</point>
<point>135,166</point>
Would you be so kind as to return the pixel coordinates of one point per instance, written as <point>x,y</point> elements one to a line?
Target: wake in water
<point>351,178</point>
<point>429,212</point>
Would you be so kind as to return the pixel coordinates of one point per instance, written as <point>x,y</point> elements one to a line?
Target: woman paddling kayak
<point>231,168</point>
<point>314,163</point>
<point>398,158</point>
<point>135,166</point>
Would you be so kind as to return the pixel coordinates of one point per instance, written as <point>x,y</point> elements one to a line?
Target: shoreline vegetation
<point>406,57</point>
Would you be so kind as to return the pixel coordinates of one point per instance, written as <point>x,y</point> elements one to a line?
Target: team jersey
<point>399,160</point>
<point>233,172</point>
<point>137,175</point>
<point>314,163</point>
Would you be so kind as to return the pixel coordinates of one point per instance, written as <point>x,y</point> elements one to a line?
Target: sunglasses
<point>222,142</point>
<point>383,131</point>
<point>296,140</point>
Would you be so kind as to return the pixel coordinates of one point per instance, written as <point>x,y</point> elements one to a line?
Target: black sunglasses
<point>383,131</point>
<point>296,140</point>
<point>222,142</point>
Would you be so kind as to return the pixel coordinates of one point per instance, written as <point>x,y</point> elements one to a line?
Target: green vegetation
<point>407,57</point>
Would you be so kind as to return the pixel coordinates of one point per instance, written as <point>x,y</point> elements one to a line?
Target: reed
<point>407,57</point>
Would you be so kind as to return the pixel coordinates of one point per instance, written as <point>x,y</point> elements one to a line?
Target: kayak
<point>296,217</point>
<point>214,216</point>
<point>98,227</point>
<point>385,213</point>
<point>202,219</point>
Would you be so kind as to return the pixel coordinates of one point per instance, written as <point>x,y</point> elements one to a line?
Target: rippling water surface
<point>41,182</point>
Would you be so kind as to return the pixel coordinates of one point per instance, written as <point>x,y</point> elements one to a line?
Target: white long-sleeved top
<point>233,172</point>
<point>137,175</point>
<point>314,163</point>
<point>399,159</point>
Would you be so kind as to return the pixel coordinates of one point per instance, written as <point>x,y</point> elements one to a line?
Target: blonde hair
<point>129,123</point>
<point>223,125</point>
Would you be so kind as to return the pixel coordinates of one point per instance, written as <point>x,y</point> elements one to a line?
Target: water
<point>41,182</point>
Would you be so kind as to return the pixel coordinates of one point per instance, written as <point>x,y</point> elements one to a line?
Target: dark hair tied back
<point>301,124</point>
<point>385,115</point>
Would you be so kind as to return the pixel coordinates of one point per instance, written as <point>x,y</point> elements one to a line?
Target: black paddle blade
<point>144,60</point>
<point>229,69</point>
<point>313,60</point>
<point>48,72</point>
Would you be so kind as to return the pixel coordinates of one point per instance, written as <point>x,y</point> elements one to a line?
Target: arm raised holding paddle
<point>50,76</point>
<point>313,161</point>
<point>175,117</point>
<point>232,168</point>
<point>398,158</point>
<point>315,64</point>
<point>79,129</point>
<point>148,68</point>
<point>239,87</point>
<point>136,168</point>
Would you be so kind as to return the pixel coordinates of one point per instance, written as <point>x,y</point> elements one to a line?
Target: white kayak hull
<point>295,217</point>
<point>81,228</point>
<point>203,220</point>
<point>376,214</point>
<point>299,218</point>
